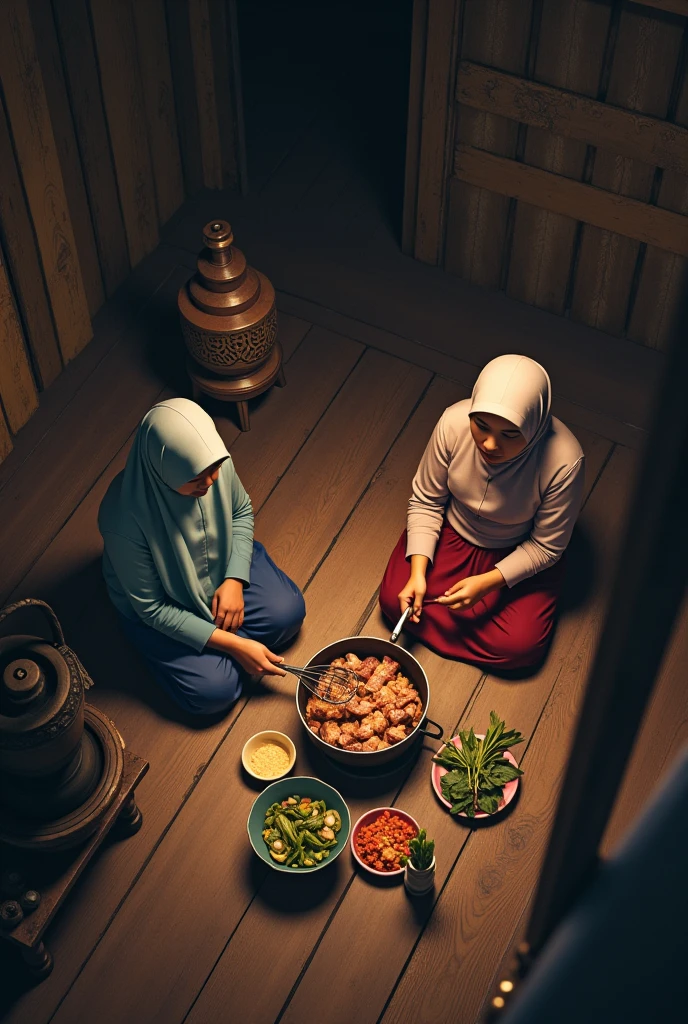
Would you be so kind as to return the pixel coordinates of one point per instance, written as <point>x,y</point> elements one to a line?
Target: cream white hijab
<point>519,390</point>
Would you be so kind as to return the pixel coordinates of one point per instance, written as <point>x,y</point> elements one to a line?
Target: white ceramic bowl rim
<point>276,736</point>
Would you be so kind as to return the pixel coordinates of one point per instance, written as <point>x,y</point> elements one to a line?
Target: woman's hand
<point>256,659</point>
<point>414,591</point>
<point>228,605</point>
<point>464,594</point>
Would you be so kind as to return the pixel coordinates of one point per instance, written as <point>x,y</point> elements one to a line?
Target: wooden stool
<point>237,389</point>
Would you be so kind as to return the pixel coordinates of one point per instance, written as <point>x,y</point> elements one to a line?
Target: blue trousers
<point>206,683</point>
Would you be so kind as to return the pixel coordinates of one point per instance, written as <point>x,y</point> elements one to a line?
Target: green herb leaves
<point>422,851</point>
<point>478,771</point>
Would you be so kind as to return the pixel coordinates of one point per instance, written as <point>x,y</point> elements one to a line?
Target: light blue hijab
<point>190,539</point>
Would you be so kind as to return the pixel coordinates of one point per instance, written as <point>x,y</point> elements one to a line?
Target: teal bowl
<point>302,785</point>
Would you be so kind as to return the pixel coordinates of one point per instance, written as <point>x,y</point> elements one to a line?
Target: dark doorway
<point>325,99</point>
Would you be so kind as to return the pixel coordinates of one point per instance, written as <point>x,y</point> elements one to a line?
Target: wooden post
<point>158,93</point>
<point>34,143</point>
<point>115,39</point>
<point>50,60</point>
<point>90,124</point>
<point>645,599</point>
<point>24,262</point>
<point>17,389</point>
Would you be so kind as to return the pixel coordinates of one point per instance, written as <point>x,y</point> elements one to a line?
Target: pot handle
<point>28,602</point>
<point>428,732</point>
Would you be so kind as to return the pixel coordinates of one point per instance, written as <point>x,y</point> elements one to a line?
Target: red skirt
<point>509,629</point>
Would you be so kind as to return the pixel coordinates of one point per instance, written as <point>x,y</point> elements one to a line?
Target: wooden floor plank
<point>260,935</point>
<point>375,977</point>
<point>340,458</point>
<point>368,439</point>
<point>575,414</point>
<point>482,903</point>
<point>276,913</point>
<point>428,336</point>
<point>382,288</point>
<point>116,316</point>
<point>68,576</point>
<point>120,390</point>
<point>365,542</point>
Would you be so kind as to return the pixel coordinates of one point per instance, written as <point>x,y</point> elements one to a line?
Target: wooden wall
<point>548,154</point>
<point>111,113</point>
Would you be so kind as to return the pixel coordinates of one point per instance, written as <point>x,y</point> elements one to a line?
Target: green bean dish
<point>300,832</point>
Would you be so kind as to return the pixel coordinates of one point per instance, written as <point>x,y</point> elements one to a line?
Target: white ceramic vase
<point>419,882</point>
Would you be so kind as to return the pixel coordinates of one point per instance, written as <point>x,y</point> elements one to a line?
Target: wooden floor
<point>182,922</point>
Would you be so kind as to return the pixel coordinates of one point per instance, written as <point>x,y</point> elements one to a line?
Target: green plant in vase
<point>422,851</point>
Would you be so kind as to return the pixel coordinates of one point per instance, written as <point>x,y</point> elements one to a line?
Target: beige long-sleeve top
<point>532,502</point>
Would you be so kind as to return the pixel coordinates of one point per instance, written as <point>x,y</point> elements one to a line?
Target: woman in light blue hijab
<point>201,600</point>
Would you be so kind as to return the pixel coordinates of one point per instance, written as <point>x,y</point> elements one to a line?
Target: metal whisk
<point>332,683</point>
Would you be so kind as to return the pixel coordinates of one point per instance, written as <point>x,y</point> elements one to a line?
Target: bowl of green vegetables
<point>299,824</point>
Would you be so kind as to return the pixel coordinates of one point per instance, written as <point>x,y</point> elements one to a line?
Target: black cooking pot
<point>367,647</point>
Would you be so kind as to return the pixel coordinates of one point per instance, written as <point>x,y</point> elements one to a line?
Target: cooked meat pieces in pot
<point>330,732</point>
<point>386,670</point>
<point>321,711</point>
<point>359,708</point>
<point>386,709</point>
<point>366,668</point>
<point>385,696</point>
<point>399,716</point>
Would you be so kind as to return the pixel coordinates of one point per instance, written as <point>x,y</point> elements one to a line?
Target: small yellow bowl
<point>269,736</point>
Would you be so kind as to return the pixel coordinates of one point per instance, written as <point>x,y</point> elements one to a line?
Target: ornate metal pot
<point>61,760</point>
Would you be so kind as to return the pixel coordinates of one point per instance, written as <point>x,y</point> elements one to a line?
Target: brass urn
<point>227,309</point>
<point>61,760</point>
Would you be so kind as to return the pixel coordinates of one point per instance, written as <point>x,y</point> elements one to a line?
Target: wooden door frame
<point>435,43</point>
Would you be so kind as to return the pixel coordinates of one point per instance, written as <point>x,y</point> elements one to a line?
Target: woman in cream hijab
<point>201,600</point>
<point>494,501</point>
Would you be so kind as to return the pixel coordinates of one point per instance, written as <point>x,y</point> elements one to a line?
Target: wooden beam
<point>17,389</point>
<point>83,82</point>
<point>227,92</point>
<point>628,217</point>
<point>39,164</point>
<point>206,99</point>
<point>115,37</point>
<point>572,52</point>
<point>631,134</point>
<point>156,77</point>
<point>5,439</point>
<point>23,260</point>
<point>184,85</point>
<point>413,124</point>
<point>237,92</point>
<point>50,59</point>
<point>672,6</point>
<point>436,118</point>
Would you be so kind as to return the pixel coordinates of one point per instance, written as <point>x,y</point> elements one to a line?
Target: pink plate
<point>509,791</point>
<point>367,819</point>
